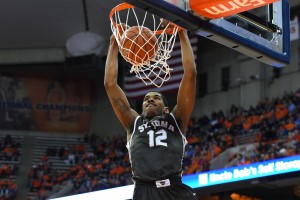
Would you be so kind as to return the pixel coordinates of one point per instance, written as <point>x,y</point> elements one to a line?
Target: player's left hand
<point>170,26</point>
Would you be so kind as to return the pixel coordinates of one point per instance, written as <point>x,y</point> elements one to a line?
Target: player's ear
<point>166,110</point>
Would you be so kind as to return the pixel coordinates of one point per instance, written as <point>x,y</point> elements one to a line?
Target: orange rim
<point>124,6</point>
<point>168,30</point>
<point>118,8</point>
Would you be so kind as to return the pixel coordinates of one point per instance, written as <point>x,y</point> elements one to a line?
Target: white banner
<point>294,29</point>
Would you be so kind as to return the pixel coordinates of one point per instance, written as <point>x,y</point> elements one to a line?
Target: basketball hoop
<point>146,52</point>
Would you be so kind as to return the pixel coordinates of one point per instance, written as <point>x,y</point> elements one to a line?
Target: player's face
<point>153,105</point>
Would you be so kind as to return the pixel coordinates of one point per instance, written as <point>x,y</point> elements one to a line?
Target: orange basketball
<point>121,28</point>
<point>138,45</point>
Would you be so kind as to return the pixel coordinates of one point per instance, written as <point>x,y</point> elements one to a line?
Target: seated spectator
<point>10,153</point>
<point>297,120</point>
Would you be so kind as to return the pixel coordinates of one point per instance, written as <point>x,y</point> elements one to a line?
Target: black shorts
<point>175,191</point>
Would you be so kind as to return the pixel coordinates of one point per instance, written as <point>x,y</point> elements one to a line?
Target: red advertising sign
<point>214,9</point>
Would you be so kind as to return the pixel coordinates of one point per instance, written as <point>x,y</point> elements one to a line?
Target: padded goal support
<point>215,31</point>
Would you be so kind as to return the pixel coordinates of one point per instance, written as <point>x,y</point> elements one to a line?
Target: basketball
<point>138,45</point>
<point>121,28</point>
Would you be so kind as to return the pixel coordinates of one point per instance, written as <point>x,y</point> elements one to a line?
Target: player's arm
<point>187,88</point>
<point>116,95</point>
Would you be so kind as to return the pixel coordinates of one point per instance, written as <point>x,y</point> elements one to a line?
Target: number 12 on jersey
<point>157,138</point>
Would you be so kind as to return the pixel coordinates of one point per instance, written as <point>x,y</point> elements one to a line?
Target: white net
<point>146,49</point>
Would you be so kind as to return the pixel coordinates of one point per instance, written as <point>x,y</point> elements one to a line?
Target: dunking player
<point>156,138</point>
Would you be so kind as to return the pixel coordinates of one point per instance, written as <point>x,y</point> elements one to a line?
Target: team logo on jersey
<point>163,183</point>
<point>156,124</point>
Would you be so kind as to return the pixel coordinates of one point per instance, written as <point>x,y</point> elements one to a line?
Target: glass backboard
<point>262,33</point>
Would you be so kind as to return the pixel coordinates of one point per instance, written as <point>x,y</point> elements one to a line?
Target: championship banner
<point>44,104</point>
<point>214,9</point>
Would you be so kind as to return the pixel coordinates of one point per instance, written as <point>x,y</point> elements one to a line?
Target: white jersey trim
<point>129,141</point>
<point>184,140</point>
<point>134,125</point>
<point>182,135</point>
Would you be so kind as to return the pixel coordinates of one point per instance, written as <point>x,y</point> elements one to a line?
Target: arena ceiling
<point>49,23</point>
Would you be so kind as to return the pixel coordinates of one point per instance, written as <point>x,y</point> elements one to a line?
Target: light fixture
<point>87,42</point>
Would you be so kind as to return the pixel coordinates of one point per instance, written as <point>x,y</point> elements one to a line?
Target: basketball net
<point>154,70</point>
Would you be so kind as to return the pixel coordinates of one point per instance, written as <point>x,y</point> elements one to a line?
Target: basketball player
<point>155,139</point>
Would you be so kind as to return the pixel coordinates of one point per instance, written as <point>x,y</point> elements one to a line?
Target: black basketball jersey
<point>156,148</point>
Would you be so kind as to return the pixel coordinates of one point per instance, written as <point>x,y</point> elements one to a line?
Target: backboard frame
<point>210,30</point>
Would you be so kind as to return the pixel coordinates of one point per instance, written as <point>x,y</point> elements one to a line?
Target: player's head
<point>154,104</point>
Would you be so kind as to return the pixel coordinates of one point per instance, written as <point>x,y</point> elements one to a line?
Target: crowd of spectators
<point>8,170</point>
<point>9,157</point>
<point>276,124</point>
<point>9,148</point>
<point>106,166</point>
<point>8,189</point>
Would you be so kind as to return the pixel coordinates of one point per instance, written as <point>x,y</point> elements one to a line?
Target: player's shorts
<point>166,189</point>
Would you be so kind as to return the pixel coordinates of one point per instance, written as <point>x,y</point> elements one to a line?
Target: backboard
<point>262,33</point>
